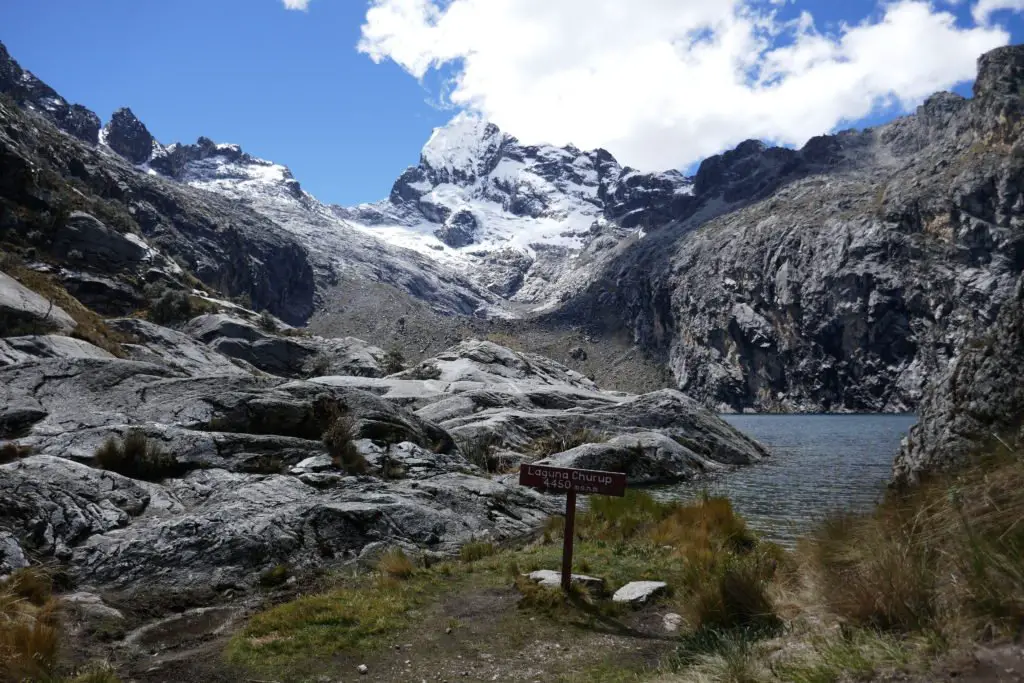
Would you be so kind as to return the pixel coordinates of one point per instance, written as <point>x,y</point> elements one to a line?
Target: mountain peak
<point>463,149</point>
<point>30,92</point>
<point>129,137</point>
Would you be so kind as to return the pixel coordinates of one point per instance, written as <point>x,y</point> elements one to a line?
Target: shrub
<point>423,371</point>
<point>339,442</point>
<point>320,366</point>
<point>137,457</point>
<point>475,550</point>
<point>734,595</point>
<point>480,450</point>
<point>562,440</point>
<point>30,583</point>
<point>393,361</point>
<point>10,451</point>
<point>396,564</point>
<point>96,673</point>
<point>950,553</point>
<point>267,322</point>
<point>275,576</point>
<point>172,307</point>
<point>29,628</point>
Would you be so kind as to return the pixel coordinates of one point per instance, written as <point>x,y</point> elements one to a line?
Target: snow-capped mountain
<point>521,220</point>
<point>337,250</point>
<point>483,225</point>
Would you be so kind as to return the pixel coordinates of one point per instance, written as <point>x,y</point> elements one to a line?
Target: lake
<point>819,464</point>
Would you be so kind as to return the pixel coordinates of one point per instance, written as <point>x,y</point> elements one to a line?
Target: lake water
<point>819,464</point>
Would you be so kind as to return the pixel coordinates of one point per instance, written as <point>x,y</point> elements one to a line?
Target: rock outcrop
<point>287,356</point>
<point>252,484</point>
<point>837,277</point>
<point>23,309</point>
<point>28,91</point>
<point>976,406</point>
<point>128,136</point>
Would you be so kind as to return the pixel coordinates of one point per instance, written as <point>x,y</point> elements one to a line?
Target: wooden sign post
<point>571,481</point>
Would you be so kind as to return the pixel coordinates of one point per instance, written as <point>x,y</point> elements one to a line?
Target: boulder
<point>286,356</point>
<point>218,528</point>
<point>23,349</point>
<point>645,458</point>
<point>11,555</point>
<point>84,240</point>
<point>22,310</point>
<point>639,592</point>
<point>163,346</point>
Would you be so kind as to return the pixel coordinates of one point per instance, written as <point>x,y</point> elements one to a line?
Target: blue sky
<point>291,86</point>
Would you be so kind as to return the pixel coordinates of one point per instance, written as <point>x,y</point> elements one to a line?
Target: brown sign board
<point>570,480</point>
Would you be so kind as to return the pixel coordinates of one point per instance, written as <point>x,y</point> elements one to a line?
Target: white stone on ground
<point>639,592</point>
<point>552,579</point>
<point>672,622</point>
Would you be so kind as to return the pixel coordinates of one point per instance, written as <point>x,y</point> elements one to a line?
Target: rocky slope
<point>250,485</point>
<point>841,276</point>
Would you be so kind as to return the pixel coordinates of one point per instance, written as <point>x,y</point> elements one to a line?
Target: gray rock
<point>90,606</point>
<point>24,349</point>
<point>645,457</point>
<point>108,296</point>
<point>95,244</point>
<point>129,137</point>
<point>974,405</point>
<point>671,622</point>
<point>21,308</point>
<point>286,356</point>
<point>317,463</point>
<point>549,578</point>
<point>639,592</point>
<point>11,555</point>
<point>163,346</point>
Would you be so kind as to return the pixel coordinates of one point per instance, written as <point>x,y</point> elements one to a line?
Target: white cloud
<point>983,11</point>
<point>301,5</point>
<point>663,83</point>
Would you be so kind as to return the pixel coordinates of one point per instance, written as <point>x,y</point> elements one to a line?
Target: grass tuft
<point>476,550</point>
<point>31,584</point>
<point>947,555</point>
<point>562,440</point>
<point>10,451</point>
<point>137,457</point>
<point>339,440</point>
<point>396,564</point>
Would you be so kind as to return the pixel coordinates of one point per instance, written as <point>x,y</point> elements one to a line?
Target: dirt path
<point>479,634</point>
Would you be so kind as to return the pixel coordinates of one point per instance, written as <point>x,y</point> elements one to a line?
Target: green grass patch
<point>314,628</point>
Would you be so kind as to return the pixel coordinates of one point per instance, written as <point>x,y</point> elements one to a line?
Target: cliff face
<point>975,405</point>
<point>845,275</point>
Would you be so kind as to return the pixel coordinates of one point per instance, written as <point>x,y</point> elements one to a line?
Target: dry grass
<point>947,557</point>
<point>562,440</point>
<point>339,442</point>
<point>90,326</point>
<point>31,584</point>
<point>98,672</point>
<point>10,451</point>
<point>29,628</point>
<point>137,457</point>
<point>476,550</point>
<point>396,564</point>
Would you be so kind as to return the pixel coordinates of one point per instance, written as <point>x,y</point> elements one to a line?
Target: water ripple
<point>819,464</point>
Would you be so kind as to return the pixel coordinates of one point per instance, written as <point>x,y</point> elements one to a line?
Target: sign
<point>565,479</point>
<point>571,481</point>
